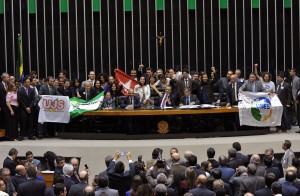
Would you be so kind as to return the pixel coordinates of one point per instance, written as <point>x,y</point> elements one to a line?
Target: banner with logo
<point>54,109</point>
<point>79,106</point>
<point>259,109</point>
<point>125,80</point>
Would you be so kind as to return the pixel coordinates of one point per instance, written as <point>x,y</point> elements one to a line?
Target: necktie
<point>188,100</point>
<point>87,95</point>
<point>50,90</point>
<point>253,87</point>
<point>186,84</point>
<point>233,93</point>
<point>131,102</point>
<point>164,101</point>
<point>6,87</point>
<point>26,89</point>
<point>278,88</point>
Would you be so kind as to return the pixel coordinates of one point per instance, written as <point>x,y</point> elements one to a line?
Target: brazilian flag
<point>19,62</point>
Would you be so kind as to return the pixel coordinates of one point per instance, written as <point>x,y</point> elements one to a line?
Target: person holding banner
<point>252,85</point>
<point>284,93</point>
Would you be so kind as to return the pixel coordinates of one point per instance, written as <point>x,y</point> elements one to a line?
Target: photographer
<point>120,179</point>
<point>159,167</point>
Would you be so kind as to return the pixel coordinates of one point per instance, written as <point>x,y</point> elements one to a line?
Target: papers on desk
<point>189,107</point>
<point>47,172</point>
<point>207,106</point>
<point>168,107</point>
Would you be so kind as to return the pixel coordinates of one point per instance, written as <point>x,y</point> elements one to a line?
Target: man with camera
<point>120,179</point>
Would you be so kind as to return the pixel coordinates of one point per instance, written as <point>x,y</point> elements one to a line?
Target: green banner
<point>32,6</point>
<point>96,5</point>
<point>223,4</point>
<point>64,6</point>
<point>1,6</point>
<point>160,5</point>
<point>127,5</point>
<point>255,3</point>
<point>80,106</point>
<point>287,3</point>
<point>192,4</point>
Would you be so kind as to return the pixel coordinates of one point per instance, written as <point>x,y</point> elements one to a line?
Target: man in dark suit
<point>210,155</point>
<point>65,90</point>
<point>47,89</point>
<point>233,161</point>
<point>26,99</point>
<point>284,93</point>
<point>227,172</point>
<point>78,189</point>
<point>239,155</point>
<point>32,186</point>
<point>60,160</point>
<point>131,101</point>
<point>192,159</point>
<point>271,169</point>
<point>236,179</point>
<point>167,99</point>
<point>233,91</point>
<point>269,153</point>
<point>9,161</point>
<point>188,98</point>
<point>20,176</point>
<point>36,87</point>
<point>269,179</point>
<point>103,182</point>
<point>206,92</point>
<point>120,179</point>
<point>186,82</point>
<point>3,92</point>
<point>9,187</point>
<point>252,183</point>
<point>260,170</point>
<point>87,92</point>
<point>201,189</point>
<point>177,170</point>
<point>68,172</point>
<point>288,187</point>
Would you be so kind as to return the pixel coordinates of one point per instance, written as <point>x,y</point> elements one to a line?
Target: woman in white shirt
<point>143,90</point>
<point>266,80</point>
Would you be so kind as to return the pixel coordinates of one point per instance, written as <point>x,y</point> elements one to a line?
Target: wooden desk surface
<point>160,112</point>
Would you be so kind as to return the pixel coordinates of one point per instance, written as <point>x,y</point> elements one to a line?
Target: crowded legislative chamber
<point>199,97</point>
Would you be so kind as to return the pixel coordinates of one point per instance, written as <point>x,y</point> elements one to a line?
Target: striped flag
<point>19,65</point>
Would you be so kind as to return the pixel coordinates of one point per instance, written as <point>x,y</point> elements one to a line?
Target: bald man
<point>78,189</point>
<point>201,189</point>
<point>131,101</point>
<point>20,176</point>
<point>177,169</point>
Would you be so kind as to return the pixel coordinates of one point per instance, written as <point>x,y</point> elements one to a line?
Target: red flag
<point>125,80</point>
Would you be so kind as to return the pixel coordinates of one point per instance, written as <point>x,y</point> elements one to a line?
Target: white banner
<point>54,109</point>
<point>259,109</point>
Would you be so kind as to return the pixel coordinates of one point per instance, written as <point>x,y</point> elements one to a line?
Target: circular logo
<point>261,109</point>
<point>163,127</point>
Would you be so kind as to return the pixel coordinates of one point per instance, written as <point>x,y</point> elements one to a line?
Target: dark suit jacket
<point>243,157</point>
<point>66,92</point>
<point>44,90</point>
<point>214,163</point>
<point>177,171</point>
<point>11,165</point>
<point>247,86</point>
<point>31,187</point>
<point>16,180</point>
<point>68,182</point>
<point>235,182</point>
<point>252,184</point>
<point>77,189</point>
<point>25,100</point>
<point>277,163</point>
<point>260,171</point>
<point>91,95</point>
<point>171,97</point>
<point>193,98</point>
<point>181,85</point>
<point>229,93</point>
<point>288,189</point>
<point>200,191</point>
<point>235,163</point>
<point>264,192</point>
<point>126,102</point>
<point>49,192</point>
<point>274,170</point>
<point>3,97</point>
<point>120,181</point>
<point>206,94</point>
<point>227,172</point>
<point>284,94</point>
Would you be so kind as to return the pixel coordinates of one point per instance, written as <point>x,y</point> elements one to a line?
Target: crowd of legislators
<point>234,174</point>
<point>19,100</point>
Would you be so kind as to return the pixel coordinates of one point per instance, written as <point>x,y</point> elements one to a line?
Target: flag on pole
<point>79,106</point>
<point>19,65</point>
<point>125,80</point>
